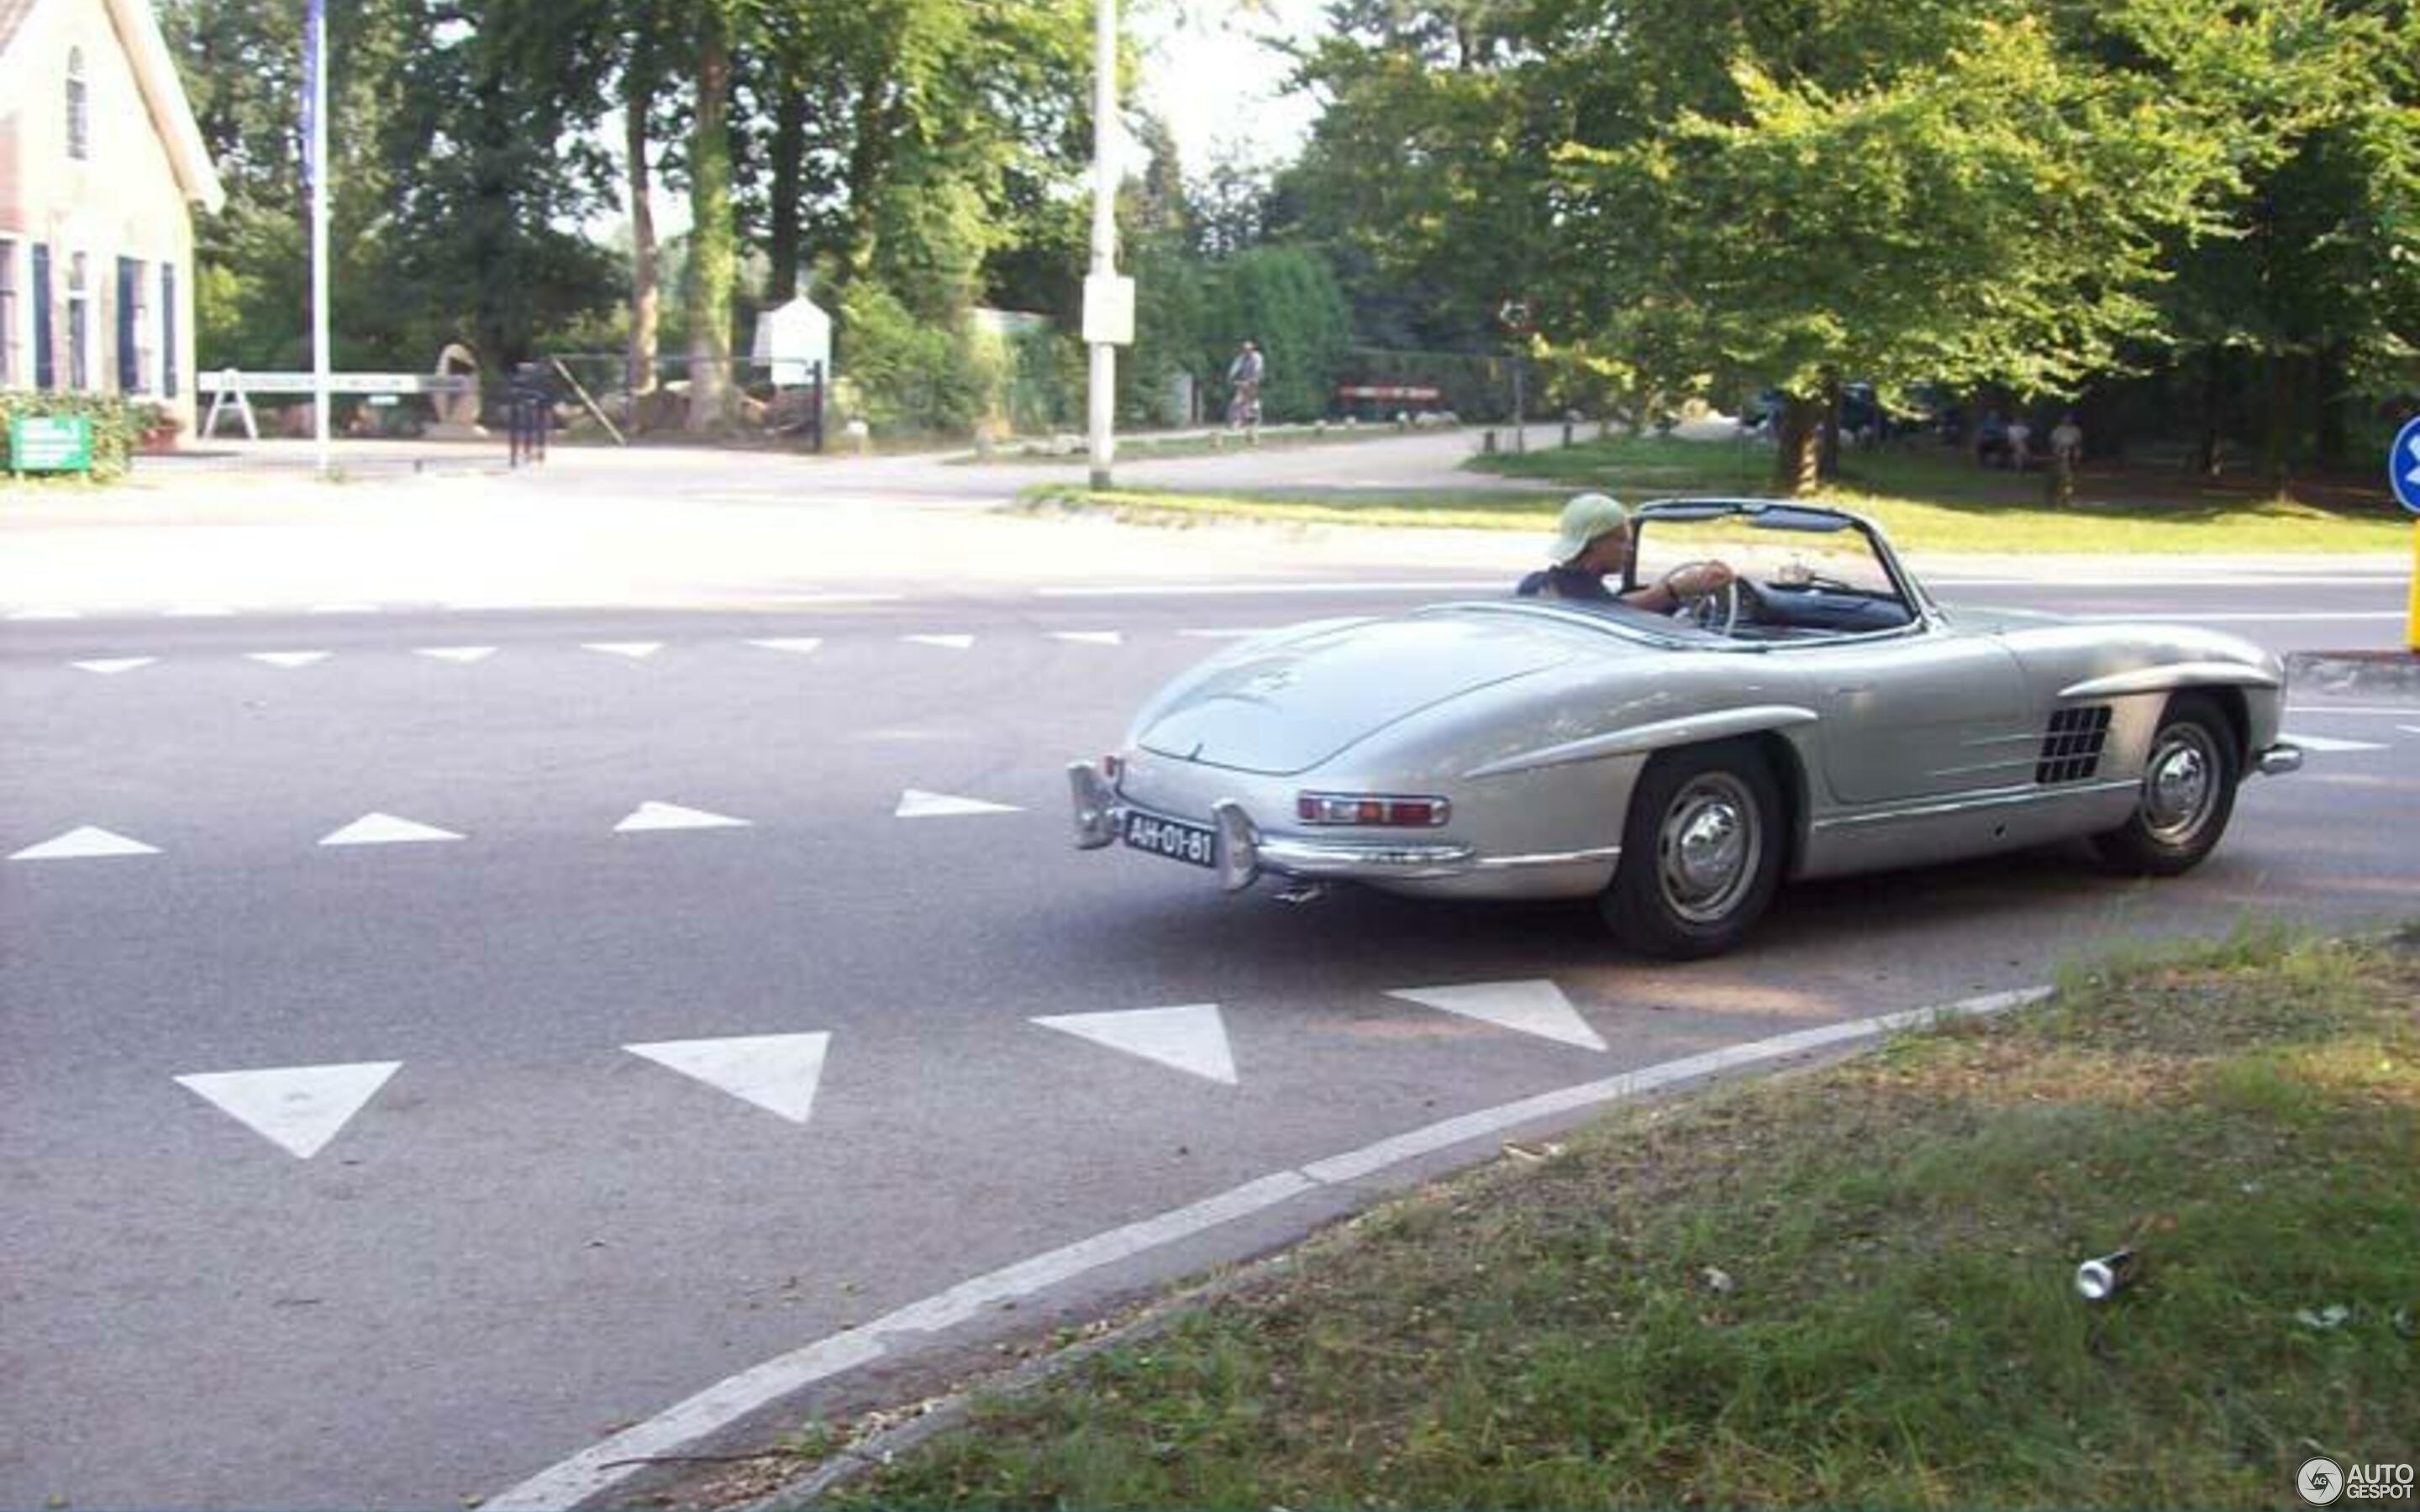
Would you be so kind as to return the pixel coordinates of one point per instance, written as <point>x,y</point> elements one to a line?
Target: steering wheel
<point>1716,610</point>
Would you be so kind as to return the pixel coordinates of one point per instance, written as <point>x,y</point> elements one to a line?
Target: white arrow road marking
<point>778,1073</point>
<point>288,659</point>
<point>1091,637</point>
<point>2328,743</point>
<point>915,802</point>
<point>652,815</point>
<point>112,666</point>
<point>78,843</point>
<point>947,643</point>
<point>386,829</point>
<point>46,614</point>
<point>1536,1007</point>
<point>1192,1038</point>
<point>635,650</point>
<point>463,655</point>
<point>799,646</point>
<point>298,1108</point>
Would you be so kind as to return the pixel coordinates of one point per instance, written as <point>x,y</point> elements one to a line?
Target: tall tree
<point>713,239</point>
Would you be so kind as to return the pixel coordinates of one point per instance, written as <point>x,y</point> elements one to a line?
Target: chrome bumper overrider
<point>1245,853</point>
<point>2279,759</point>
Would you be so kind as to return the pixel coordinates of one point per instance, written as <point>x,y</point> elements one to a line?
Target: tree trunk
<point>2334,397</point>
<point>646,297</point>
<point>2277,418</point>
<point>711,251</point>
<point>869,161</point>
<point>1797,463</point>
<point>2206,450</point>
<point>790,161</point>
<point>1828,453</point>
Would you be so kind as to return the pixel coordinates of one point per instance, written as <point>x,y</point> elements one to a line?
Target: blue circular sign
<point>2403,465</point>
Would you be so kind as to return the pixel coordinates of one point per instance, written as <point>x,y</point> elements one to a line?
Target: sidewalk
<point>443,523</point>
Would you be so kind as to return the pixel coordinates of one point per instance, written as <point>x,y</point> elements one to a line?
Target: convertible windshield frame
<point>1786,515</point>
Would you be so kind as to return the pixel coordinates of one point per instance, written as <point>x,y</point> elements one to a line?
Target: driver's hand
<point>1705,577</point>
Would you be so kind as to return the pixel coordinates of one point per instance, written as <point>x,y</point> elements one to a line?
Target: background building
<point>100,164</point>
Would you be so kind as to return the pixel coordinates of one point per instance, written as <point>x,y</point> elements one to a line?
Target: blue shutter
<point>130,300</point>
<point>168,328</point>
<point>46,373</point>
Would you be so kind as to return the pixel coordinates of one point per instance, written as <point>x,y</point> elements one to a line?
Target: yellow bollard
<point>2412,616</point>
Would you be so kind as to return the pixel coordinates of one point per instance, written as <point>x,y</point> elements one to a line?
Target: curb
<point>602,1466</point>
<point>2354,672</point>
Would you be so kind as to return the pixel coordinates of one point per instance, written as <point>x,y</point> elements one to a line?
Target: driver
<point>1595,541</point>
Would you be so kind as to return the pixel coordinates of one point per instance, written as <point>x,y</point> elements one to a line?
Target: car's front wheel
<point>1701,852</point>
<point>2187,796</point>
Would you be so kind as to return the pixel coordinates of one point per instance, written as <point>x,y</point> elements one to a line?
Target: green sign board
<point>43,443</point>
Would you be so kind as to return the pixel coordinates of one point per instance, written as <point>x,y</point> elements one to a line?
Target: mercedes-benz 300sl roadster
<point>1820,715</point>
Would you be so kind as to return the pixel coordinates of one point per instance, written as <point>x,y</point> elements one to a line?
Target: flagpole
<point>315,167</point>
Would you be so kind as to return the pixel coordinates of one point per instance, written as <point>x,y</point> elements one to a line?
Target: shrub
<point>118,425</point>
<point>906,374</point>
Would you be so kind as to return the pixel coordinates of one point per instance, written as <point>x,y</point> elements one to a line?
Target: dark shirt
<point>1565,582</point>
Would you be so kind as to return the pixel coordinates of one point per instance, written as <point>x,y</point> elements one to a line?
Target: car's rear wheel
<point>1701,852</point>
<point>2187,796</point>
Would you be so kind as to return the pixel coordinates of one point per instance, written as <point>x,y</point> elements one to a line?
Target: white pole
<point>1104,384</point>
<point>320,232</point>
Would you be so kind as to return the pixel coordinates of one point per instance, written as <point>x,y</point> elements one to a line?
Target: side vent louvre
<point>2070,752</point>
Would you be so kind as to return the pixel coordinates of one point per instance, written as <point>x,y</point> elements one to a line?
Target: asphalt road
<point>527,1234</point>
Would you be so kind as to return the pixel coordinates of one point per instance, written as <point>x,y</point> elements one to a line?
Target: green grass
<point>1148,447</point>
<point>1933,499</point>
<point>1848,1287</point>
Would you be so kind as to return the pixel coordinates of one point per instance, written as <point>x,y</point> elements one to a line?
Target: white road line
<point>298,1108</point>
<point>2315,711</point>
<point>82,843</point>
<point>1458,585</point>
<point>342,609</point>
<point>386,829</point>
<point>2327,743</point>
<point>602,1466</point>
<point>797,646</point>
<point>46,614</point>
<point>1229,635</point>
<point>198,611</point>
<point>635,650</point>
<point>463,656</point>
<point>1090,638</point>
<point>915,802</point>
<point>1536,1007</point>
<point>112,666</point>
<point>2409,729</point>
<point>1191,1039</point>
<point>947,643</point>
<point>778,1073</point>
<point>2054,579</point>
<point>653,815</point>
<point>2154,616</point>
<point>287,660</point>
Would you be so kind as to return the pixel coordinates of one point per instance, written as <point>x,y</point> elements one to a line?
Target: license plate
<point>1194,844</point>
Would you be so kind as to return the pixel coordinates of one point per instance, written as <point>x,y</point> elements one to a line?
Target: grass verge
<point>1848,1287</point>
<point>1930,498</point>
<point>1147,446</point>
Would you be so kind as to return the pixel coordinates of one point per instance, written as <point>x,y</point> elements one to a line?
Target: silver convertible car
<point>1821,715</point>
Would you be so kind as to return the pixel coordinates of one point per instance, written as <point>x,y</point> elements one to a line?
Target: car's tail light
<point>1376,810</point>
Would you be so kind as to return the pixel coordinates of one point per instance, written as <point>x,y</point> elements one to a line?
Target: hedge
<point>117,425</point>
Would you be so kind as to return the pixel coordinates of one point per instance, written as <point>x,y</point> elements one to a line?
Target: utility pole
<point>316,50</point>
<point>1108,300</point>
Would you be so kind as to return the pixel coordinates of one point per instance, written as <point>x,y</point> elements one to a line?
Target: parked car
<point>1824,716</point>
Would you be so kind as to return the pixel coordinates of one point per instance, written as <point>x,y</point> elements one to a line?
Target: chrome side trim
<point>1987,801</point>
<point>1520,863</point>
<point>1687,731</point>
<point>2174,675</point>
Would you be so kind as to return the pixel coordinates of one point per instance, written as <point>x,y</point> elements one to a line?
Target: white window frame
<point>78,103</point>
<point>80,354</point>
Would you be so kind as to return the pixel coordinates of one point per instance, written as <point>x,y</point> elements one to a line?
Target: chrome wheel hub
<point>2179,783</point>
<point>1708,847</point>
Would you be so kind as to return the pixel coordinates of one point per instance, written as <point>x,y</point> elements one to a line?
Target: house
<point>100,164</point>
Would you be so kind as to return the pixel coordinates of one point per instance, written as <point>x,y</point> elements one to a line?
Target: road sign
<point>50,443</point>
<point>2403,465</point>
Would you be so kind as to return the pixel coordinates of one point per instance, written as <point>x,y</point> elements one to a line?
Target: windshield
<point>1802,574</point>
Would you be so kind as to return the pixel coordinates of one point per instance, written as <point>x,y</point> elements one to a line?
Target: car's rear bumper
<point>1245,852</point>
